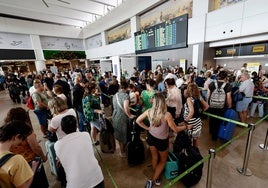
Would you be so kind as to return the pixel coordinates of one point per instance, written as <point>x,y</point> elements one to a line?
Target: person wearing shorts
<point>247,87</point>
<point>158,135</point>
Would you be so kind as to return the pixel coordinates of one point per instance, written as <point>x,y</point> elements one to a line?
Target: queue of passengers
<point>161,99</point>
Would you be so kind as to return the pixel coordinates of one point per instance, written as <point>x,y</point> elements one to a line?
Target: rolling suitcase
<point>188,155</point>
<point>107,140</point>
<point>226,129</point>
<point>51,156</point>
<point>135,148</point>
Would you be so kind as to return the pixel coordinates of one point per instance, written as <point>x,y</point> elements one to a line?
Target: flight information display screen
<point>164,36</point>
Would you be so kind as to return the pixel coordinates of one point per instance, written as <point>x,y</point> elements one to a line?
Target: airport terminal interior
<point>138,38</point>
<point>117,172</point>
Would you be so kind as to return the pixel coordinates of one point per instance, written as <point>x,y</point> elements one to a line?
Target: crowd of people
<point>163,100</point>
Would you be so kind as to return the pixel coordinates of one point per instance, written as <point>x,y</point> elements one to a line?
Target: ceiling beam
<point>79,10</point>
<point>103,3</point>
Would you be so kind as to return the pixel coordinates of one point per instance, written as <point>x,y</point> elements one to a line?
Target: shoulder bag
<point>5,158</point>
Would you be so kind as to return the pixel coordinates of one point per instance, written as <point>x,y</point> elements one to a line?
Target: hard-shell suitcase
<point>226,130</point>
<point>107,140</point>
<point>135,148</point>
<point>51,156</point>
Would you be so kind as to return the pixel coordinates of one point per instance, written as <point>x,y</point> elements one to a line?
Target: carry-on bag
<point>51,155</point>
<point>187,155</point>
<point>135,148</point>
<point>107,140</point>
<point>190,156</point>
<point>226,129</point>
<point>171,166</point>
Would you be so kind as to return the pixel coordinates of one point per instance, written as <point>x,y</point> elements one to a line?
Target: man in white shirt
<point>247,87</point>
<point>75,152</point>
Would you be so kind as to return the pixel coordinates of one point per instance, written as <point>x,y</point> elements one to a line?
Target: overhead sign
<point>253,67</point>
<point>256,49</point>
<point>242,49</point>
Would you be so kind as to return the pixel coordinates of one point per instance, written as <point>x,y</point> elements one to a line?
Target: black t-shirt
<point>227,88</point>
<point>49,82</point>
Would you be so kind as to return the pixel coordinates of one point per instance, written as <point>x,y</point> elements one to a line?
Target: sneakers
<point>157,182</point>
<point>149,184</point>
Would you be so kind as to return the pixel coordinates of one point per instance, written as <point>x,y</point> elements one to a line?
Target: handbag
<point>172,166</point>
<point>52,136</point>
<point>119,103</point>
<point>30,103</point>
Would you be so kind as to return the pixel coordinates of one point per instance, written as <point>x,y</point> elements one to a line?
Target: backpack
<point>183,87</point>
<point>217,97</point>
<point>198,109</point>
<point>5,158</point>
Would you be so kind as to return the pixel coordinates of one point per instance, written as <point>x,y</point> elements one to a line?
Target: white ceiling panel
<point>64,12</point>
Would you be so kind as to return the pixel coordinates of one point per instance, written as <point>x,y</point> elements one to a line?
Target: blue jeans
<point>253,108</point>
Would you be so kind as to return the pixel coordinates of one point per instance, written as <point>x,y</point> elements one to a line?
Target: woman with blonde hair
<point>59,109</point>
<point>158,134</point>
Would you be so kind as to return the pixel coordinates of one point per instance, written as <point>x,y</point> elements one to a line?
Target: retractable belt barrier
<point>207,157</point>
<point>248,127</point>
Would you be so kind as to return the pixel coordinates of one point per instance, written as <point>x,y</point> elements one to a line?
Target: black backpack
<point>198,109</point>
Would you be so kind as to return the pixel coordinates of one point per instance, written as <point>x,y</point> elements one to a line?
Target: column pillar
<point>135,25</point>
<point>40,64</point>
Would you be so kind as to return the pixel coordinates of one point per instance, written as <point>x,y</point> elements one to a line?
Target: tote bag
<point>171,167</point>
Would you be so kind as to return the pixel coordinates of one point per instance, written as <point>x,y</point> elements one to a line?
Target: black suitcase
<point>187,155</point>
<point>135,147</point>
<point>107,140</point>
<point>187,159</point>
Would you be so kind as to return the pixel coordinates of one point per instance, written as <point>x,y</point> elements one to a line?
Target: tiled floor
<point>116,169</point>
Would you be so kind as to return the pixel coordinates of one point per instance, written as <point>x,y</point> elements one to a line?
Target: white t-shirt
<point>56,122</point>
<point>32,90</point>
<point>179,82</point>
<point>75,151</point>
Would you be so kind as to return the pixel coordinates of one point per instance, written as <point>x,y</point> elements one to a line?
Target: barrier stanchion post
<point>264,146</point>
<point>210,164</point>
<point>244,170</point>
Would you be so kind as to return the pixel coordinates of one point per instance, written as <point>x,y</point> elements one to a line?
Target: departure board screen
<point>164,36</point>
